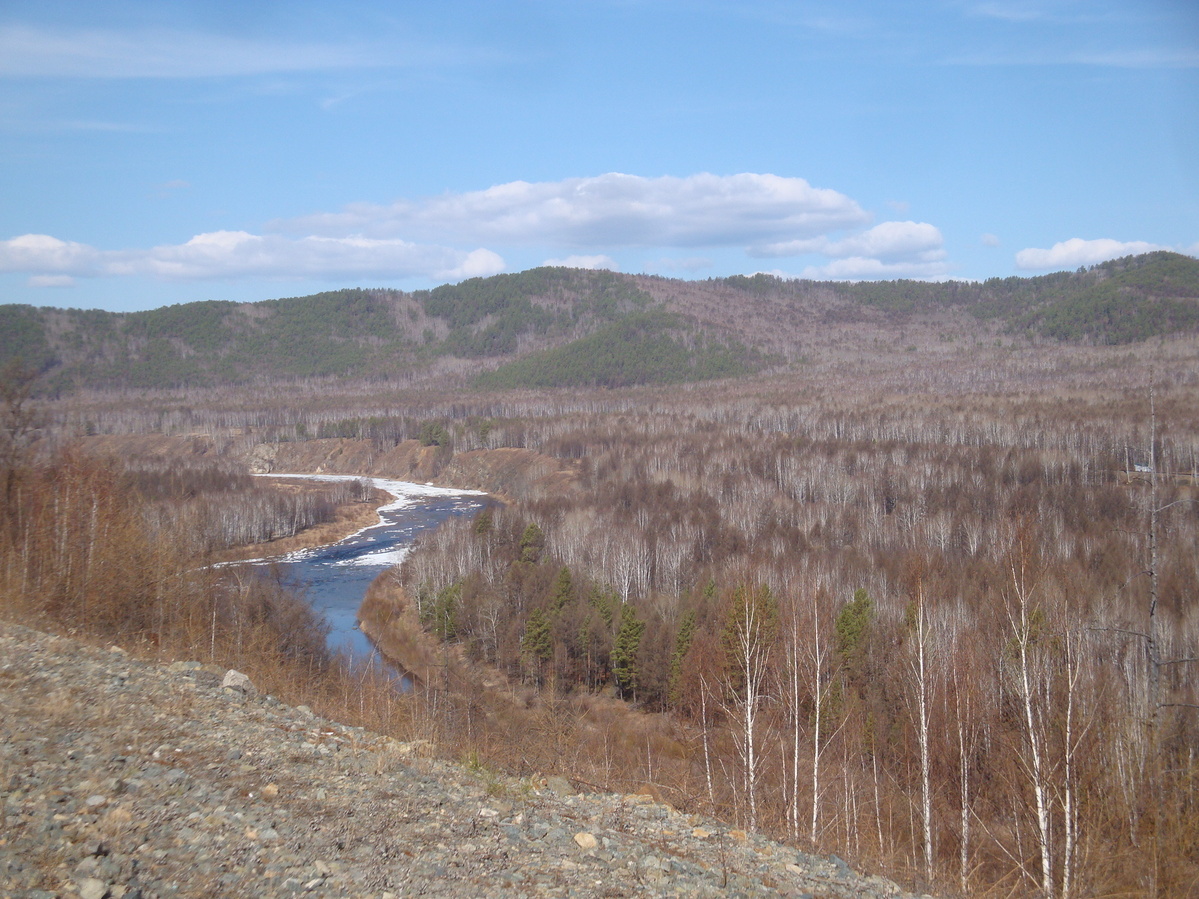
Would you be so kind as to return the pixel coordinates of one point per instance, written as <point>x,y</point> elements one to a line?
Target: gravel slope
<point>125,779</point>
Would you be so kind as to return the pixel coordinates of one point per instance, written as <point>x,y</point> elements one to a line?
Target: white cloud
<point>887,241</point>
<point>687,264</point>
<point>589,262</point>
<point>51,281</point>
<point>612,210</point>
<point>1076,251</point>
<point>44,255</point>
<point>164,53</point>
<point>233,254</point>
<point>989,240</point>
<point>859,268</point>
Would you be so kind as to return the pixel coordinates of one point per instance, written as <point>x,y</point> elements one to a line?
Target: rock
<point>586,841</point>
<point>235,680</point>
<point>174,784</point>
<point>559,786</point>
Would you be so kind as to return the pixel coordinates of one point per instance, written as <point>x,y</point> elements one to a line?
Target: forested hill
<point>568,327</point>
<point>453,331</point>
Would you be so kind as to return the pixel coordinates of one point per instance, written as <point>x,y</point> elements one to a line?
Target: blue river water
<point>334,578</point>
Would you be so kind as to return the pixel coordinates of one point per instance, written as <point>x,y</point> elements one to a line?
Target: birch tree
<point>920,668</point>
<point>1027,626</point>
<point>750,630</point>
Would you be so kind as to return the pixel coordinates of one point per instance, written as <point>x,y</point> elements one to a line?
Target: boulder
<point>235,680</point>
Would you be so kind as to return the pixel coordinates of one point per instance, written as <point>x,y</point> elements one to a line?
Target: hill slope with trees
<point>557,327</point>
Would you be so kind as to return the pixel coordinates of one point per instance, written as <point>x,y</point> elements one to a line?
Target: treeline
<point>220,505</point>
<point>1117,302</point>
<point>960,652</point>
<point>374,333</point>
<point>78,551</point>
<point>87,549</point>
<point>565,327</point>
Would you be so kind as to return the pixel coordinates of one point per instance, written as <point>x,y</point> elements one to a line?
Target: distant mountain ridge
<point>550,327</point>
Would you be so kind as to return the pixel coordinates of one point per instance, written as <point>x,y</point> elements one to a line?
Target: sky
<point>158,153</point>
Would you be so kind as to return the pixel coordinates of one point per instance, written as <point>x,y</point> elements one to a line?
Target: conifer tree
<point>537,645</point>
<point>682,644</point>
<point>624,652</point>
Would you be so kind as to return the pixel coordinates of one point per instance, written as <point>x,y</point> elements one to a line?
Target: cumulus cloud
<point>42,254</point>
<point>612,210</point>
<point>686,264</point>
<point>989,240</point>
<point>888,250</point>
<point>888,241</point>
<point>232,254</point>
<point>1076,252</point>
<point>588,262</point>
<point>859,268</point>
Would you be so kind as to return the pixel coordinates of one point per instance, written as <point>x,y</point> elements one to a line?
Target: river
<point>335,577</point>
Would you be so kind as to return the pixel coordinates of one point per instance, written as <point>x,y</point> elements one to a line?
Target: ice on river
<point>405,494</point>
<point>336,576</point>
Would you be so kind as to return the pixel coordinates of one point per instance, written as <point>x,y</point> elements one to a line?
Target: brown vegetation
<point>111,550</point>
<point>933,611</point>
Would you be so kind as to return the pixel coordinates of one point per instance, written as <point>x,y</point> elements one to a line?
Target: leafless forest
<point>933,610</point>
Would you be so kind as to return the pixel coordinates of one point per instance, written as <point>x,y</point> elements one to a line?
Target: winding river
<point>335,577</point>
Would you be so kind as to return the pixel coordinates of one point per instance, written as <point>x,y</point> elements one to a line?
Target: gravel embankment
<point>125,779</point>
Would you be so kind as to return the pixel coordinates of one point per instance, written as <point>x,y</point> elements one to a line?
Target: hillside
<point>557,327</point>
<point>124,778</point>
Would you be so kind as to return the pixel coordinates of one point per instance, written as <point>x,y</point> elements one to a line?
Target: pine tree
<point>563,590</point>
<point>444,612</point>
<point>532,542</point>
<point>537,645</point>
<point>624,652</point>
<point>682,644</point>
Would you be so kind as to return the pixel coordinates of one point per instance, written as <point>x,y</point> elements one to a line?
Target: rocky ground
<point>124,779</point>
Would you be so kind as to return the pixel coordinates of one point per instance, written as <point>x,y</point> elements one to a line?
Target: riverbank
<point>350,519</point>
<point>389,619</point>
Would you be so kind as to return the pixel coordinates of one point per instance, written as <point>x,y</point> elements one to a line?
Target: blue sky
<point>155,153</point>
